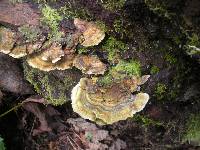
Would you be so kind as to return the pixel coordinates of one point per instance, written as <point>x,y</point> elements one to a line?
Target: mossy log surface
<point>161,38</point>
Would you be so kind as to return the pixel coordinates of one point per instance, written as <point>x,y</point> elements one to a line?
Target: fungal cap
<point>66,62</point>
<point>92,34</point>
<point>36,61</point>
<point>18,51</point>
<point>53,54</point>
<point>143,79</point>
<point>140,102</point>
<point>7,42</point>
<point>89,64</point>
<point>91,104</point>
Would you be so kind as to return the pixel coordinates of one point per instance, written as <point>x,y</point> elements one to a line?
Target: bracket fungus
<point>50,56</point>
<point>89,64</point>
<point>6,40</point>
<point>9,45</point>
<point>53,54</point>
<point>92,34</point>
<point>38,61</point>
<point>106,105</point>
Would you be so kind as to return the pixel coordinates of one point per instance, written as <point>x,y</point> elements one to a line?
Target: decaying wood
<point>11,76</point>
<point>18,14</point>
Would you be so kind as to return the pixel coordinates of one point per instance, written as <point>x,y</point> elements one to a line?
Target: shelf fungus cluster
<point>106,105</point>
<point>50,55</point>
<point>57,57</point>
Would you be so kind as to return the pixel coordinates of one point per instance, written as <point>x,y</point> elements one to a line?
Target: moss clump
<point>113,5</point>
<point>54,88</point>
<point>122,28</point>
<point>105,80</point>
<point>113,47</point>
<point>170,58</point>
<point>159,7</point>
<point>192,134</point>
<point>118,25</point>
<point>82,50</point>
<point>177,39</point>
<point>131,67</point>
<point>145,120</point>
<point>121,70</point>
<point>51,18</point>
<point>30,33</point>
<point>154,69</point>
<point>101,25</point>
<point>160,91</point>
<point>70,12</point>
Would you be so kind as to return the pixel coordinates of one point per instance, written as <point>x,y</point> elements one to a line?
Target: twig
<point>71,143</point>
<point>75,142</point>
<point>13,108</point>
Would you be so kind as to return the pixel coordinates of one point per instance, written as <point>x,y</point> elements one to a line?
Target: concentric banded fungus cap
<point>89,64</point>
<point>18,51</point>
<point>36,61</point>
<point>8,44</point>
<point>53,54</point>
<point>92,34</point>
<point>105,105</point>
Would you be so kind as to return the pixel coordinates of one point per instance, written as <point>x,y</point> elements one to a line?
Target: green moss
<point>2,145</point>
<point>122,28</point>
<point>30,33</point>
<point>192,134</point>
<point>102,25</point>
<point>113,47</point>
<point>55,96</point>
<point>105,80</point>
<point>146,121</point>
<point>82,50</point>
<point>154,69</point>
<point>118,72</point>
<point>159,7</point>
<point>170,58</point>
<point>70,12</point>
<point>113,5</point>
<point>55,90</point>
<point>131,67</point>
<point>118,25</point>
<point>177,40</point>
<point>160,91</point>
<point>51,18</point>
